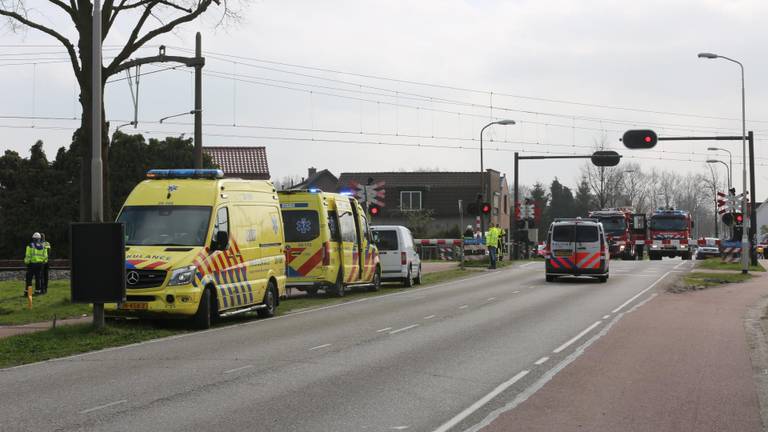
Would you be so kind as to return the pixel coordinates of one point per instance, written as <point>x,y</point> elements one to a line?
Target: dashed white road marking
<point>238,369</point>
<point>526,265</point>
<point>491,299</point>
<point>320,347</point>
<point>681,264</point>
<point>639,294</point>
<point>428,317</point>
<point>403,329</point>
<point>516,292</point>
<point>86,411</point>
<point>577,337</point>
<point>606,316</point>
<point>479,404</point>
<point>541,361</point>
<point>384,329</point>
<point>463,306</point>
<point>400,427</point>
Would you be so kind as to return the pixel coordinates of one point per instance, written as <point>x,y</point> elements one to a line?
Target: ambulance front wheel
<point>603,279</point>
<point>550,278</point>
<point>338,288</point>
<point>202,318</point>
<point>270,302</point>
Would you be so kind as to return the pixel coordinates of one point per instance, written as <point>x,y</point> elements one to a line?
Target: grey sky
<point>619,53</point>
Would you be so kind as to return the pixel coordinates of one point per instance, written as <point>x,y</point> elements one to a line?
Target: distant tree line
<point>42,195</point>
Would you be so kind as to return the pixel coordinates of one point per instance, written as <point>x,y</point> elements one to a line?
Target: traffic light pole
<point>516,204</point>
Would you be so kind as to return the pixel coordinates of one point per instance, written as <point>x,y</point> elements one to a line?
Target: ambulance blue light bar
<point>185,173</point>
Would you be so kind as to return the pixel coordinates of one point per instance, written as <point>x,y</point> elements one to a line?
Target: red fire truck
<point>669,233</point>
<point>625,231</point>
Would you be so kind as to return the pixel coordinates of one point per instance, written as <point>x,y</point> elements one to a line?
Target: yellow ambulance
<point>199,246</point>
<point>328,243</point>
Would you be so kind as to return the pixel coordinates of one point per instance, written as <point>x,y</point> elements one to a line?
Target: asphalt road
<point>437,358</point>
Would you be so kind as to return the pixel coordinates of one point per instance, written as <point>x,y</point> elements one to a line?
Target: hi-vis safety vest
<point>492,238</point>
<point>36,254</point>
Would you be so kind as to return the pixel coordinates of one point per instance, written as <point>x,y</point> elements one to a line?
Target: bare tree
<point>148,19</point>
<point>602,180</point>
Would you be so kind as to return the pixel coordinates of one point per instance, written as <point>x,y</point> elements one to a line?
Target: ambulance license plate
<point>563,253</point>
<point>134,306</point>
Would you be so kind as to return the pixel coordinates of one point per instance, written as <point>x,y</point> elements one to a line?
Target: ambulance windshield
<point>165,225</point>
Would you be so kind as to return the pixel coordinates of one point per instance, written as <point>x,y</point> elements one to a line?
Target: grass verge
<point>75,339</point>
<point>13,307</point>
<point>695,281</point>
<point>717,264</point>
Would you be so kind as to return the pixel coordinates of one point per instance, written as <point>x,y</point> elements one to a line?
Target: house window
<point>410,200</point>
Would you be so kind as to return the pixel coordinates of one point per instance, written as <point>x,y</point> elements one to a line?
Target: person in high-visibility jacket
<point>36,255</point>
<point>492,243</point>
<point>46,268</point>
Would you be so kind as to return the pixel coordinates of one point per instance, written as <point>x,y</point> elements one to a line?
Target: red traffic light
<point>374,210</point>
<point>647,138</point>
<point>640,139</point>
<point>486,208</point>
<point>739,218</point>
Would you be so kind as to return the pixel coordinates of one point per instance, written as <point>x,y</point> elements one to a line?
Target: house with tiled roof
<point>248,163</point>
<point>323,180</point>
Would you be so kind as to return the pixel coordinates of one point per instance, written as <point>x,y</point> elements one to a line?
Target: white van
<point>577,247</point>
<point>398,257</point>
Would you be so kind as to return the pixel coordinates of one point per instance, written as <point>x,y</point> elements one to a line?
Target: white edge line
<point>606,316</point>
<point>639,294</point>
<point>429,317</point>
<point>103,406</point>
<point>463,306</point>
<point>681,263</point>
<point>319,346</point>
<point>261,321</point>
<point>541,361</point>
<point>577,337</point>
<point>403,329</point>
<point>530,391</point>
<point>479,404</point>
<point>515,292</point>
<point>491,299</point>
<point>384,329</point>
<point>238,369</point>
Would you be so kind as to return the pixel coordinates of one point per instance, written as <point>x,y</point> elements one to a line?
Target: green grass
<point>484,263</point>
<point>705,280</point>
<point>13,307</point>
<point>74,339</point>
<point>717,264</point>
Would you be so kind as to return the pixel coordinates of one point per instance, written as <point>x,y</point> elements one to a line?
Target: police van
<point>200,246</point>
<point>577,247</point>
<point>328,243</point>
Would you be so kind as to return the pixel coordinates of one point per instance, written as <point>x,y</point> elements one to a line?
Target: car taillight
<point>602,250</point>
<point>403,260</point>
<point>326,253</point>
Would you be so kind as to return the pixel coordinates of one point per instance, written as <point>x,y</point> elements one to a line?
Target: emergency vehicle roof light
<point>345,193</point>
<point>314,190</point>
<point>185,173</point>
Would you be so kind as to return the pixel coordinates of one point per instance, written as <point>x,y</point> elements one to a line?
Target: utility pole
<point>199,103</point>
<point>752,221</point>
<point>516,204</point>
<point>97,196</point>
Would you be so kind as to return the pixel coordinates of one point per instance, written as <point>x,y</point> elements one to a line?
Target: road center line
<point>429,317</point>
<point>491,299</point>
<point>541,361</point>
<point>577,337</point>
<point>238,369</point>
<point>463,306</point>
<point>384,329</point>
<point>103,406</point>
<point>681,264</point>
<point>403,329</point>
<point>639,294</point>
<point>515,292</point>
<point>479,404</point>
<point>606,316</point>
<point>320,347</point>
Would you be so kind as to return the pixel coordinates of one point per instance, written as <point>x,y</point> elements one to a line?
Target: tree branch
<point>64,7</point>
<point>133,44</point>
<point>64,41</point>
<point>168,3</point>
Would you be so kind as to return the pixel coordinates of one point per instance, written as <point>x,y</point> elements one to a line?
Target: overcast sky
<point>466,55</point>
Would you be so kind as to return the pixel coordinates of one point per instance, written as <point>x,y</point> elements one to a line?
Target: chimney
<point>312,171</point>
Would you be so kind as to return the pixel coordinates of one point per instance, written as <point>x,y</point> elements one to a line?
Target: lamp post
<point>727,170</point>
<point>482,169</point>
<point>745,249</point>
<point>714,194</point>
<point>730,163</point>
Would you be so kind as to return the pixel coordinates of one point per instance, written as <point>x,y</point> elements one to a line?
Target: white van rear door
<point>389,250</point>
<point>587,239</point>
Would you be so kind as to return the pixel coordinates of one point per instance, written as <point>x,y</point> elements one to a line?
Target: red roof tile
<point>245,162</point>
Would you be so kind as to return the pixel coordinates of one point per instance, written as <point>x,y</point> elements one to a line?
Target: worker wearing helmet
<point>492,243</point>
<point>36,255</point>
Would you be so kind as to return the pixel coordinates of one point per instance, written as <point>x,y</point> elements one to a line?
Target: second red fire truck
<point>625,231</point>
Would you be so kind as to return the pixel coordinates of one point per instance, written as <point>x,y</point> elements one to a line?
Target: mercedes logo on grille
<point>132,277</point>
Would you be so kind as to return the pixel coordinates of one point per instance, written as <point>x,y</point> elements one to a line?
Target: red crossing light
<point>486,208</point>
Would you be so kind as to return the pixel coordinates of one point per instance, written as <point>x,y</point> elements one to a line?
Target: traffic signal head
<point>374,210</point>
<point>485,208</point>
<point>605,158</point>
<point>640,139</point>
<point>727,219</point>
<point>738,218</point>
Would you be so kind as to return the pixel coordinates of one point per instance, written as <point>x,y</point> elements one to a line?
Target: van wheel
<point>202,318</point>
<point>603,279</point>
<point>338,288</point>
<point>311,292</point>
<point>270,301</point>
<point>417,281</point>
<point>376,283</point>
<point>408,281</point>
<point>550,278</point>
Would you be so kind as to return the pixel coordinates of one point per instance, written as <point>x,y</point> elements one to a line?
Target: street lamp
<point>727,170</point>
<point>482,169</point>
<point>745,249</point>
<point>730,162</point>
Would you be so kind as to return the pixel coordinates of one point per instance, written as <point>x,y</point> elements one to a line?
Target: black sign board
<point>97,257</point>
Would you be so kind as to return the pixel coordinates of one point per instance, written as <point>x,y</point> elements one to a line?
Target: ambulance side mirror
<point>222,241</point>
